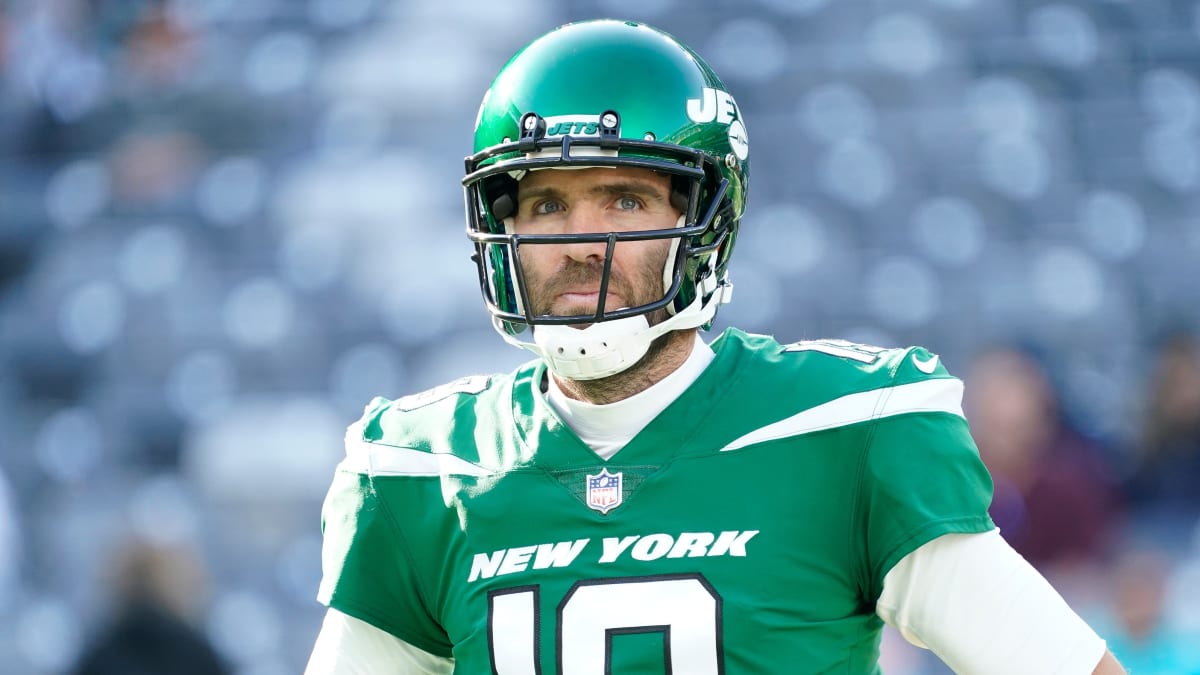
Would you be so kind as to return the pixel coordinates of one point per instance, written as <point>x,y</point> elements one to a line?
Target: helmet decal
<point>573,125</point>
<point>739,142</point>
<point>713,106</point>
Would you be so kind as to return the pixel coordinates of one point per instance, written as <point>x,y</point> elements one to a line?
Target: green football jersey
<point>746,529</point>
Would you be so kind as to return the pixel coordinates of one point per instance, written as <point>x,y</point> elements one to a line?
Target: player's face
<point>565,279</point>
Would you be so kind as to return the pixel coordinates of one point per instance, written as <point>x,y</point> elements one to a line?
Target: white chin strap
<point>609,347</point>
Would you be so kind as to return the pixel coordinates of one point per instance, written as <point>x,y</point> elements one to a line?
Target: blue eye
<point>628,203</point>
<point>547,207</point>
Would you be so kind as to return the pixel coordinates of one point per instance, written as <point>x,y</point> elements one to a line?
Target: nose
<point>585,220</point>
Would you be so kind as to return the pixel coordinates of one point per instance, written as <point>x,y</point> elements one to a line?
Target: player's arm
<point>982,608</point>
<point>349,646</point>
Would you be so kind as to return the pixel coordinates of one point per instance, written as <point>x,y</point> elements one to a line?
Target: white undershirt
<point>970,598</point>
<point>608,428</point>
<point>983,609</point>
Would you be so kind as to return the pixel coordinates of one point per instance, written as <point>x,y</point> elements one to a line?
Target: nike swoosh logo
<point>926,366</point>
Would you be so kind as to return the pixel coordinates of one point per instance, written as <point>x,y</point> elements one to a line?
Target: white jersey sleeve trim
<point>349,646</point>
<point>984,610</point>
<point>376,459</point>
<point>937,395</point>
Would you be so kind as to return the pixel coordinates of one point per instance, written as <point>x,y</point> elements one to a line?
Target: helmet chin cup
<point>607,347</point>
<point>600,350</point>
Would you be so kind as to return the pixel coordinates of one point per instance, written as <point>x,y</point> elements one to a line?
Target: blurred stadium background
<point>226,224</point>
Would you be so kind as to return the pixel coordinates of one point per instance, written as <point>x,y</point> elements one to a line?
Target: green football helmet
<point>608,93</point>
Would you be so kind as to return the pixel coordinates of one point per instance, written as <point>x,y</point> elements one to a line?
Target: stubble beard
<point>666,352</point>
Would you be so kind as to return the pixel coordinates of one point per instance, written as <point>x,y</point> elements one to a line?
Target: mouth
<point>581,302</point>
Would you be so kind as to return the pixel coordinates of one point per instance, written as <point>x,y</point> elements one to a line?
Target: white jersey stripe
<point>938,395</point>
<point>376,459</point>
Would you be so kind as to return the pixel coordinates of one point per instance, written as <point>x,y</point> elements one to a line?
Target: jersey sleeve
<point>368,571</point>
<point>350,646</point>
<point>922,474</point>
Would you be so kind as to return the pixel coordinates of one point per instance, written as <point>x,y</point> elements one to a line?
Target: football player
<point>638,500</point>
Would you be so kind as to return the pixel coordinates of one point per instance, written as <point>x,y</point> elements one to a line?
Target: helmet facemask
<point>700,239</point>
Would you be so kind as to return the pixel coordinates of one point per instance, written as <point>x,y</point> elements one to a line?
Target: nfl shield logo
<point>604,491</point>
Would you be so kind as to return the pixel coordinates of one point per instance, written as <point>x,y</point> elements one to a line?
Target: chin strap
<point>609,347</point>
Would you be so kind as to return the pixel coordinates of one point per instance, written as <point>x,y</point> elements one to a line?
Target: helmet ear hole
<point>503,207</point>
<point>679,200</point>
<point>679,193</point>
<point>500,192</point>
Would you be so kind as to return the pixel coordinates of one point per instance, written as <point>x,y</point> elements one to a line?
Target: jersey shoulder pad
<point>868,366</point>
<point>440,419</point>
<point>470,385</point>
<point>784,390</point>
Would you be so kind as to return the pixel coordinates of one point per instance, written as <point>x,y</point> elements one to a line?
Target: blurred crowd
<point>226,224</point>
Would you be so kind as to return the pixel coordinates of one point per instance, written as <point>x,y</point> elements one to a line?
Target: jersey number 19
<point>684,608</point>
